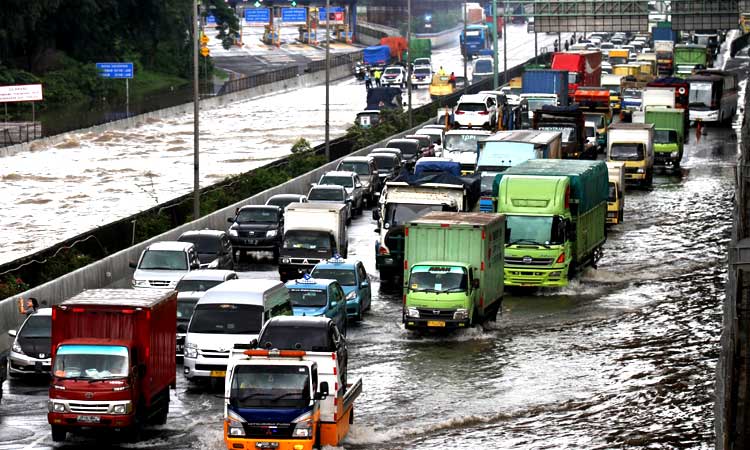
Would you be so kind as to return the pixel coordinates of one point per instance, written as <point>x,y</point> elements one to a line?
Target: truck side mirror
<point>375,214</point>
<point>475,283</point>
<point>254,343</point>
<point>132,265</point>
<point>230,219</point>
<point>323,391</point>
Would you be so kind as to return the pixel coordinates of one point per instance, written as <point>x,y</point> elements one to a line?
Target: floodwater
<point>91,179</point>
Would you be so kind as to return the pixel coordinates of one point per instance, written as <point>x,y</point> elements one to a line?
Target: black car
<point>312,334</point>
<point>213,247</point>
<point>283,200</point>
<point>410,150</point>
<point>31,345</point>
<point>388,166</point>
<point>257,228</point>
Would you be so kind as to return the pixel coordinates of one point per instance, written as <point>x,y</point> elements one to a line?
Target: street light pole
<point>495,67</point>
<point>505,42</point>
<point>328,78</point>
<point>408,59</point>
<point>466,71</point>
<point>196,114</point>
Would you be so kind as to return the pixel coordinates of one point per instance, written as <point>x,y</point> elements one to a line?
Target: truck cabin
<point>289,385</point>
<point>399,214</point>
<point>367,118</point>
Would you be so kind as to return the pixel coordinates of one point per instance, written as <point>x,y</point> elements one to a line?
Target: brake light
<point>406,231</point>
<point>404,299</point>
<point>333,355</point>
<point>483,235</point>
<point>445,225</point>
<point>148,352</point>
<point>383,250</point>
<point>561,258</point>
<point>459,112</point>
<point>127,311</point>
<point>483,113</point>
<point>282,353</point>
<point>481,267</point>
<point>406,264</point>
<point>54,313</point>
<point>335,372</point>
<point>78,310</point>
<point>567,197</point>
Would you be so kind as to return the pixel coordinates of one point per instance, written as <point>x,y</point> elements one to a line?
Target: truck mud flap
<point>352,393</point>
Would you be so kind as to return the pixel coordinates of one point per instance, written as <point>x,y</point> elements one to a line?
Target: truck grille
<point>528,261</point>
<point>305,261</point>
<point>214,354</point>
<point>158,283</point>
<point>209,367</point>
<point>250,233</point>
<point>89,408</point>
<point>631,170</point>
<point>440,314</point>
<point>275,431</point>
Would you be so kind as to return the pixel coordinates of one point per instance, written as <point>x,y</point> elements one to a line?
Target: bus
<point>478,37</point>
<point>713,96</point>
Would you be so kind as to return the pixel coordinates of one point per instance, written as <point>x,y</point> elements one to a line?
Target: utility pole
<point>196,114</point>
<point>495,68</point>
<point>408,60</point>
<point>328,79</point>
<point>466,56</point>
<point>505,42</point>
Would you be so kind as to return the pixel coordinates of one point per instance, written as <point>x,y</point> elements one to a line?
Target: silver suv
<point>354,189</point>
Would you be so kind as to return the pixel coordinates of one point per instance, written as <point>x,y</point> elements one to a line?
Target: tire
<point>161,417</point>
<point>360,314</point>
<point>58,433</point>
<point>475,319</point>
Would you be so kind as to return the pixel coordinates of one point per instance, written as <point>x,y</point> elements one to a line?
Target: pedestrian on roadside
<point>452,80</point>
<point>368,81</point>
<point>567,46</point>
<point>377,77</point>
<point>28,306</point>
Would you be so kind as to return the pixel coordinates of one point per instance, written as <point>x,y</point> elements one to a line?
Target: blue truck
<point>477,38</point>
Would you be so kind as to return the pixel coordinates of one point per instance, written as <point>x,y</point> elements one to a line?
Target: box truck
<point>453,270</point>
<point>669,134</point>
<point>616,195</point>
<point>584,68</point>
<point>633,143</point>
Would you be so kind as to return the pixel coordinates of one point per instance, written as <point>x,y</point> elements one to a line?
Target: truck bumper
<point>234,443</point>
<point>412,323</point>
<point>74,420</point>
<point>666,158</point>
<point>704,116</point>
<point>634,178</point>
<point>613,217</point>
<point>536,277</point>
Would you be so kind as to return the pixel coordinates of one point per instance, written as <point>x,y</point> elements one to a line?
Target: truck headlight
<point>303,427</point>
<point>641,170</point>
<point>234,424</point>
<point>16,347</point>
<point>286,261</point>
<point>140,283</point>
<point>271,233</point>
<point>233,232</point>
<point>352,295</point>
<point>121,409</point>
<point>191,351</point>
<point>412,312</point>
<point>57,407</point>
<point>461,314</point>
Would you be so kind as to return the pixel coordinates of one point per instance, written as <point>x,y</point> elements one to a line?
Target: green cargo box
<point>420,48</point>
<point>588,179</point>
<point>667,119</point>
<point>690,55</point>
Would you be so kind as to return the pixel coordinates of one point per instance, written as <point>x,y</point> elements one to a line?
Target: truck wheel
<point>58,433</point>
<point>475,319</point>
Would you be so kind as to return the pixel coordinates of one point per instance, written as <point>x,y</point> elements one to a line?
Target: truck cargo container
<point>669,133</point>
<point>616,196</point>
<point>453,270</point>
<point>112,360</point>
<point>584,68</point>
<point>688,57</point>
<point>633,143</point>
<point>618,56</point>
<point>555,212</point>
<point>681,95</point>
<point>546,82</point>
<point>664,56</point>
<point>377,55</point>
<point>612,83</point>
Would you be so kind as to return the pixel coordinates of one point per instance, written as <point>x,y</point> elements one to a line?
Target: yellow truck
<point>616,198</point>
<point>633,144</point>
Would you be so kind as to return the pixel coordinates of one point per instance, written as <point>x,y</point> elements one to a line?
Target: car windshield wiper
<point>107,378</point>
<point>528,241</point>
<point>425,290</point>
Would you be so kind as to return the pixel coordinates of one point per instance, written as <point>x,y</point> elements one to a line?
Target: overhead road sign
<point>115,69</point>
<point>294,15</point>
<point>21,93</point>
<point>337,15</point>
<point>257,15</point>
<point>210,20</point>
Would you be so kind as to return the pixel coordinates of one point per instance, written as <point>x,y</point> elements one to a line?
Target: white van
<point>231,313</point>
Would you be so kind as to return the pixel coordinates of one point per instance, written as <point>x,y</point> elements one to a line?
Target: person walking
<point>377,77</point>
<point>452,80</point>
<point>368,81</point>
<point>567,46</point>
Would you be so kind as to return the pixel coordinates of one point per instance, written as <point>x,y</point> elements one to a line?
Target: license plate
<point>251,241</point>
<point>218,373</point>
<point>89,419</point>
<point>435,323</point>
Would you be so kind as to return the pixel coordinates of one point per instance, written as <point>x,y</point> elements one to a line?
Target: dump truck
<point>555,214</point>
<point>669,134</point>
<point>112,361</point>
<point>453,270</point>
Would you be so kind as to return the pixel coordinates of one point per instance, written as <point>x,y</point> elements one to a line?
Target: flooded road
<point>92,179</point>
<point>623,358</point>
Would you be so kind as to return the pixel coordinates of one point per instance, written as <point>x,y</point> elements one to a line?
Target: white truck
<point>654,96</point>
<point>633,144</point>
<point>461,146</point>
<point>400,203</point>
<point>313,232</point>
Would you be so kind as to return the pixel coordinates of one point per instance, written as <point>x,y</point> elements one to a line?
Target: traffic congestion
<point>537,267</point>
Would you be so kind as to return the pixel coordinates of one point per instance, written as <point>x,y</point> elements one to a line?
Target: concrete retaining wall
<point>106,271</point>
<point>301,81</point>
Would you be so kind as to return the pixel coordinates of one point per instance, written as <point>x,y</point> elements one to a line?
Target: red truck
<point>584,68</point>
<point>112,360</point>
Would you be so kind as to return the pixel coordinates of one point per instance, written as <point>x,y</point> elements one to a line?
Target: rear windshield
<point>384,162</point>
<point>338,181</point>
<point>289,337</point>
<point>360,168</point>
<point>408,149</point>
<point>472,107</point>
<point>282,202</point>
<point>227,319</point>
<point>196,285</point>
<point>345,277</point>
<point>308,297</point>
<point>204,244</point>
<point>326,195</point>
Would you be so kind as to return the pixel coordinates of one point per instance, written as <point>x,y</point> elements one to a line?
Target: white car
<point>421,76</point>
<point>163,264</point>
<point>476,110</point>
<point>393,76</point>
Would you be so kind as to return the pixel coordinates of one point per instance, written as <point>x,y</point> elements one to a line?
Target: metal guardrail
<point>16,133</point>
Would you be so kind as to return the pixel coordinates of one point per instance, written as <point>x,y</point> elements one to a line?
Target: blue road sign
<point>115,70</point>
<point>322,12</point>
<point>210,19</point>
<point>257,15</point>
<point>294,15</point>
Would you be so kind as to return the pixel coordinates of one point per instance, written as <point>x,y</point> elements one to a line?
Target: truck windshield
<point>196,285</point>
<point>535,230</point>
<point>665,136</point>
<point>307,240</point>
<point>163,260</point>
<point>308,297</point>
<point>462,142</point>
<point>438,279</point>
<point>252,215</point>
<point>226,318</point>
<point>400,213</point>
<point>270,386</point>
<point>360,168</point>
<point>345,277</point>
<point>94,362</point>
<point>626,152</point>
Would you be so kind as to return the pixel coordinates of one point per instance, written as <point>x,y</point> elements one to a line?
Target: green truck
<point>669,134</point>
<point>420,48</point>
<point>555,212</point>
<point>453,270</point>
<point>687,57</point>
